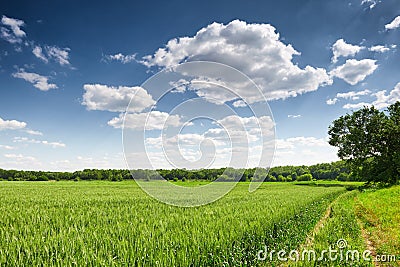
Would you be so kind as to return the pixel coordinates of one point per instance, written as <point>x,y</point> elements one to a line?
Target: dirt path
<point>320,224</point>
<point>369,244</point>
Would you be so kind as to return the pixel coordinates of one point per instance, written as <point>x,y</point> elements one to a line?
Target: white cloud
<point>154,120</point>
<point>11,124</point>
<point>353,95</point>
<point>38,52</point>
<point>342,49</point>
<point>192,151</point>
<point>179,86</point>
<point>371,3</point>
<point>19,157</point>
<point>236,141</point>
<point>20,161</point>
<point>244,130</point>
<point>301,140</point>
<point>382,100</point>
<point>303,151</point>
<point>121,58</point>
<point>254,126</point>
<point>38,81</point>
<point>207,89</point>
<point>254,49</point>
<point>239,104</point>
<point>331,101</point>
<point>34,141</point>
<point>60,55</point>
<point>292,116</point>
<point>394,24</point>
<point>7,147</point>
<point>13,33</point>
<point>53,144</point>
<point>379,48</point>
<point>32,132</point>
<point>116,99</point>
<point>354,71</point>
<point>356,105</point>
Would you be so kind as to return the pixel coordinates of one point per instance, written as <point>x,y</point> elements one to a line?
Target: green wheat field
<point>116,224</point>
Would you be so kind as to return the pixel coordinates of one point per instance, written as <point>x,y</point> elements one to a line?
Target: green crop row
<point>116,224</point>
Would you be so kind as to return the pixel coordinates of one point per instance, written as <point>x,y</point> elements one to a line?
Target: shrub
<point>305,177</point>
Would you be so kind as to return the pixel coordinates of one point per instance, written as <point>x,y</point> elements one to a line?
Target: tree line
<point>323,171</point>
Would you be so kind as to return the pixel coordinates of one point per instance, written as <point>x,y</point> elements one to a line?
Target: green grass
<point>340,223</point>
<point>379,212</point>
<point>116,224</point>
<point>366,220</point>
<point>329,183</point>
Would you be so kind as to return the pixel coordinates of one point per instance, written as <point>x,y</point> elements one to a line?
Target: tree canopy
<point>369,140</point>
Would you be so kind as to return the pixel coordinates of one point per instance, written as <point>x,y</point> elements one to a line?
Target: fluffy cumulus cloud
<point>154,120</point>
<point>255,127</point>
<point>382,99</point>
<point>179,86</point>
<point>342,49</point>
<point>381,48</point>
<point>11,30</point>
<point>38,81</point>
<point>355,71</point>
<point>59,55</point>
<point>352,95</point>
<point>302,150</point>
<point>394,24</point>
<point>254,49</point>
<point>11,124</point>
<point>116,99</point>
<point>239,104</point>
<point>120,57</point>
<point>230,141</point>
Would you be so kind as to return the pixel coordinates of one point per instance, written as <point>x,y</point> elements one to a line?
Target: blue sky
<point>68,70</point>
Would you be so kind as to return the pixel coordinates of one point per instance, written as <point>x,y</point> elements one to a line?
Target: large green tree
<point>369,140</point>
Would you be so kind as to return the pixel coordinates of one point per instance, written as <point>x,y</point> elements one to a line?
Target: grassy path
<point>310,238</point>
<point>366,221</point>
<point>338,223</point>
<point>379,215</point>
